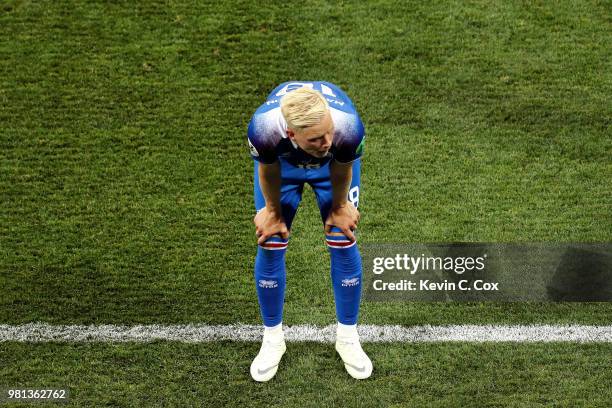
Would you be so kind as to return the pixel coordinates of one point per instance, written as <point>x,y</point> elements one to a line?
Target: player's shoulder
<point>349,135</point>
<point>266,126</point>
<point>266,129</point>
<point>349,128</point>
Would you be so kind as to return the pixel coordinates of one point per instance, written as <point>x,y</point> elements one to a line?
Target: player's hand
<point>344,217</point>
<point>269,223</point>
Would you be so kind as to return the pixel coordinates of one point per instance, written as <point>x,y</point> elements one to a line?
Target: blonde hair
<point>303,107</point>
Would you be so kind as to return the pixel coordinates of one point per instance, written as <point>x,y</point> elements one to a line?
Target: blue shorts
<point>292,186</point>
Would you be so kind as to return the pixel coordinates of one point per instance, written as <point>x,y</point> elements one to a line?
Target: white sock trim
<point>274,333</point>
<point>347,330</point>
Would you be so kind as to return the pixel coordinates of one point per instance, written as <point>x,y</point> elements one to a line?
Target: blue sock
<point>346,276</point>
<point>270,279</point>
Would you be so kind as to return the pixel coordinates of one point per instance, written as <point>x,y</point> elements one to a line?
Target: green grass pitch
<point>126,187</point>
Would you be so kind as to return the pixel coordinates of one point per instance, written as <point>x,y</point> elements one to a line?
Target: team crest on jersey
<point>253,150</point>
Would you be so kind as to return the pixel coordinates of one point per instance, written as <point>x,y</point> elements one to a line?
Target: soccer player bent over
<point>307,132</point>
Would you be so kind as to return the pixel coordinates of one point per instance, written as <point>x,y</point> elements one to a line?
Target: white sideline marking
<point>42,332</point>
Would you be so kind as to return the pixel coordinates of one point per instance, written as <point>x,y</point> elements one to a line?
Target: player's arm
<point>343,213</point>
<point>270,183</point>
<point>340,174</point>
<point>269,220</point>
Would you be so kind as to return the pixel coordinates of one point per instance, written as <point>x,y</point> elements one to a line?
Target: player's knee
<point>275,242</point>
<point>337,239</point>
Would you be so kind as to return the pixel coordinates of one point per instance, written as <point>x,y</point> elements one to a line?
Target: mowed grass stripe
<point>42,332</point>
<point>216,374</point>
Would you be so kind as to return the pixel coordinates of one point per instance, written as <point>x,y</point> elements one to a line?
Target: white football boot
<point>265,365</point>
<point>356,361</point>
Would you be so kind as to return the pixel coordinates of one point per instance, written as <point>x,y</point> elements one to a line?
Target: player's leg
<point>346,275</point>
<point>270,279</point>
<point>344,254</point>
<point>270,259</point>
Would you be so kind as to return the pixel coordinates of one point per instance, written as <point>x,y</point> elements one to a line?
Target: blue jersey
<point>268,138</point>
